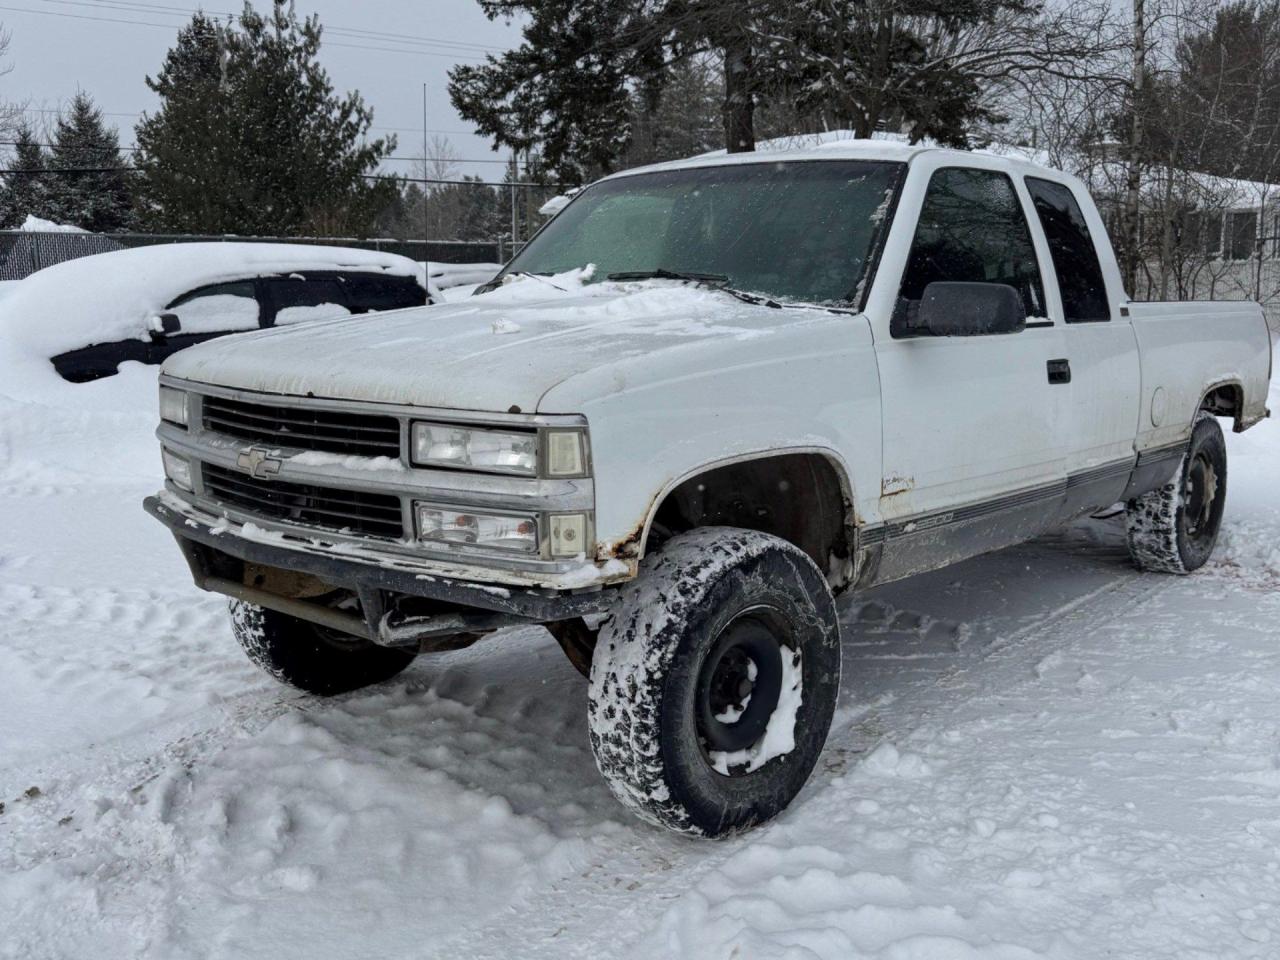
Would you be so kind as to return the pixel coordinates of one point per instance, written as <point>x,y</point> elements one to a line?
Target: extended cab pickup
<point>704,399</point>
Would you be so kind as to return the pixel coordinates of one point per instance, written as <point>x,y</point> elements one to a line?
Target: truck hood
<point>501,350</point>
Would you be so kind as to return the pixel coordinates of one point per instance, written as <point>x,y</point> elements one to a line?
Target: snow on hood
<point>499,350</point>
<point>111,296</point>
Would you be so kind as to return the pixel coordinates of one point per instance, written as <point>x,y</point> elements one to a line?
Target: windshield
<point>799,230</point>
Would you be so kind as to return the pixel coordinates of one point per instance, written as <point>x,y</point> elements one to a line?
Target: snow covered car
<point>706,398</point>
<point>89,314</point>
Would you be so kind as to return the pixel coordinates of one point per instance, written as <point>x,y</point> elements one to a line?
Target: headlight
<point>173,406</point>
<point>177,469</point>
<point>501,532</point>
<point>470,448</point>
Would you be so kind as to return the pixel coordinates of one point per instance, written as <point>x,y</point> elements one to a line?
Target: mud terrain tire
<point>719,614</point>
<point>311,657</point>
<point>1174,529</point>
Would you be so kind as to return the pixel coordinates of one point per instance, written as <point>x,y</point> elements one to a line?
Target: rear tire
<point>311,657</point>
<point>1174,529</point>
<point>714,682</point>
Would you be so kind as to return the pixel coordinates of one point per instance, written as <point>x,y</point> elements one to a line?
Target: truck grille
<point>306,428</point>
<point>345,511</point>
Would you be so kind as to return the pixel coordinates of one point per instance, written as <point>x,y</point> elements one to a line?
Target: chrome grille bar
<point>357,434</point>
<point>356,511</point>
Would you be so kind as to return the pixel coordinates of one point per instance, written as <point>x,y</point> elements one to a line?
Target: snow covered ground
<point>1039,753</point>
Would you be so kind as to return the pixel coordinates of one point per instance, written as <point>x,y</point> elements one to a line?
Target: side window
<point>372,291</point>
<point>971,229</point>
<point>217,308</point>
<point>1242,234</point>
<point>299,299</point>
<point>1075,258</point>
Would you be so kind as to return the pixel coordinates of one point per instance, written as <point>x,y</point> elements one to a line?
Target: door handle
<point>1059,371</point>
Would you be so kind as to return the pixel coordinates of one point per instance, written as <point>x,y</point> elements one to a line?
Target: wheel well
<point>1225,400</point>
<point>798,497</point>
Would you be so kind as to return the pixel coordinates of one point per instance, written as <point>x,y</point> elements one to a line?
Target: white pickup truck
<point>708,397</point>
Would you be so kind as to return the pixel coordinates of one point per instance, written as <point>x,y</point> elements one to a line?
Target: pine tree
<point>588,68</point>
<point>25,192</point>
<point>100,201</point>
<point>567,88</point>
<point>183,153</point>
<point>686,119</point>
<point>251,138</point>
<point>479,215</point>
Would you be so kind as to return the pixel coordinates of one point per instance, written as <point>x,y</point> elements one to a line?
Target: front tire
<point>714,682</point>
<point>1174,529</point>
<point>311,657</point>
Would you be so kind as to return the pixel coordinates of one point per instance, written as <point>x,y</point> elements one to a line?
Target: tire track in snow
<point>123,672</point>
<point>639,873</point>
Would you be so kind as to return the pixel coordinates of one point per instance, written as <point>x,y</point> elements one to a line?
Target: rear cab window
<point>971,229</point>
<point>1075,258</point>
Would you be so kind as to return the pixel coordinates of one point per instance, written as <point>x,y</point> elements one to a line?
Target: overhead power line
<point>141,6</point>
<point>171,26</point>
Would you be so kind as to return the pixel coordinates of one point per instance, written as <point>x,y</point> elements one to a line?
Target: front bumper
<point>214,545</point>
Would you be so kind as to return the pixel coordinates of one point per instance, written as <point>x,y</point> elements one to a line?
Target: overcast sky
<point>107,47</point>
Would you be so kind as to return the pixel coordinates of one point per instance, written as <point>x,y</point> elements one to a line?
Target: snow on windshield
<point>797,230</point>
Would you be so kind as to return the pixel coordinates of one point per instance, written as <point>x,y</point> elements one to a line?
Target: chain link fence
<point>24,252</point>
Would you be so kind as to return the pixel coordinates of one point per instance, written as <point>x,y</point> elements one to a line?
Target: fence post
<point>35,252</point>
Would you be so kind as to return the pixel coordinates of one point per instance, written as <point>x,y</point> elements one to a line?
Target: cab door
<point>974,450</point>
<point>1102,349</point>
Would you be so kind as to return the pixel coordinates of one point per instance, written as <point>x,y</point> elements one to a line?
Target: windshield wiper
<point>662,273</point>
<point>717,281</point>
<point>534,276</point>
<point>496,282</point>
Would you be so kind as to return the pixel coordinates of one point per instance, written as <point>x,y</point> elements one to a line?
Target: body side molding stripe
<point>873,534</point>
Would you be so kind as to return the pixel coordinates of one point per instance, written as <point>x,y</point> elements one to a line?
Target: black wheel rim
<point>1199,495</point>
<point>740,682</point>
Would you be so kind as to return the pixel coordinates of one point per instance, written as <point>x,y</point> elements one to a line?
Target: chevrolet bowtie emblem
<point>257,462</point>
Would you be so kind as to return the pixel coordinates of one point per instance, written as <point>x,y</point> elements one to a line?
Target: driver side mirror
<point>163,324</point>
<point>954,309</point>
